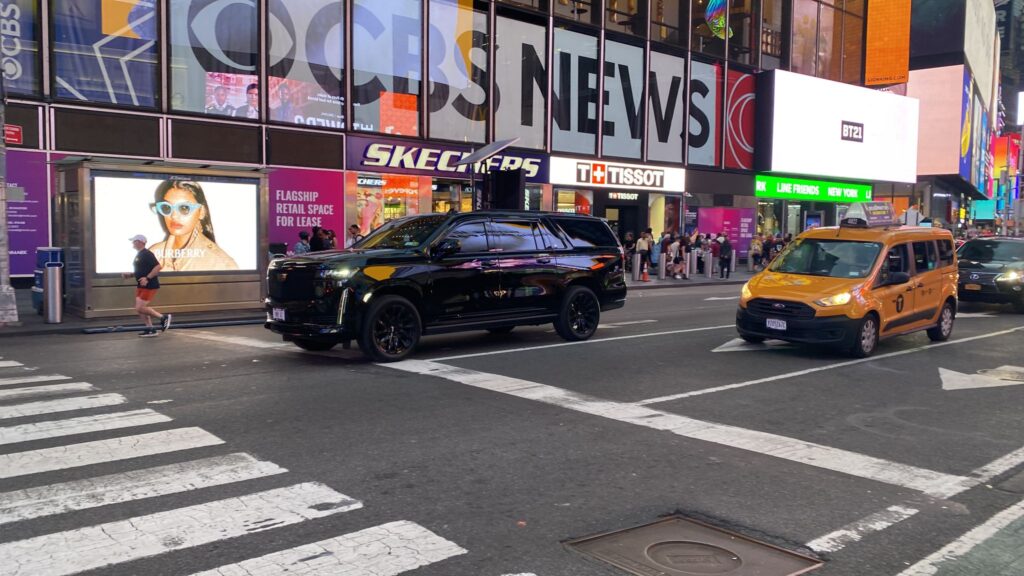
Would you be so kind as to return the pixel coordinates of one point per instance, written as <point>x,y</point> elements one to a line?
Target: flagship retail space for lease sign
<point>301,199</point>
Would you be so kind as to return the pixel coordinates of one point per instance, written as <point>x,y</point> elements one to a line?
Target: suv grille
<point>292,282</point>
<point>782,308</point>
<point>968,277</point>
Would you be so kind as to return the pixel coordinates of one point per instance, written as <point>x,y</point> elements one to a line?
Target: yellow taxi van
<point>855,284</point>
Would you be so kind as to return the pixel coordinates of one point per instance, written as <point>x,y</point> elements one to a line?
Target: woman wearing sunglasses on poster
<point>190,243</point>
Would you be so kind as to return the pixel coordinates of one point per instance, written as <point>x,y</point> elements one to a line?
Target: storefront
<point>391,178</point>
<point>790,205</point>
<point>632,197</point>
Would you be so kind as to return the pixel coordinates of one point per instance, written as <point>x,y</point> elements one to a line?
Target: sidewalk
<point>736,278</point>
<point>33,324</point>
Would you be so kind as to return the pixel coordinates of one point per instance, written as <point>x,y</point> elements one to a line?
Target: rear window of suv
<point>587,233</point>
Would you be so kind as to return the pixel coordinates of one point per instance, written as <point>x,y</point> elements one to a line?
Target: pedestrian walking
<point>302,246</point>
<point>147,282</point>
<point>756,248</point>
<point>629,246</point>
<point>643,248</point>
<point>353,236</point>
<point>715,248</point>
<point>725,258</point>
<point>316,240</point>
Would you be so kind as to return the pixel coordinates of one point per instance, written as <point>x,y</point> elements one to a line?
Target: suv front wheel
<point>579,315</point>
<point>391,329</point>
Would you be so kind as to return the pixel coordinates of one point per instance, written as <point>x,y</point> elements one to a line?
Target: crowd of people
<point>715,251</point>
<point>323,239</point>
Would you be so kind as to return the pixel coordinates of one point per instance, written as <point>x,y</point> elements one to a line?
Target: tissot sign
<point>430,159</point>
<point>586,173</point>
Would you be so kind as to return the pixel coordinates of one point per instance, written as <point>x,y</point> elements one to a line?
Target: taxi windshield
<point>832,258</point>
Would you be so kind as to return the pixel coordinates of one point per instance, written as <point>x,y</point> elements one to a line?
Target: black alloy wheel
<point>391,329</point>
<point>580,314</point>
<point>314,345</point>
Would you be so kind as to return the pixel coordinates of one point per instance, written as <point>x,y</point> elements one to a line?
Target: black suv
<point>442,273</point>
<point>992,270</point>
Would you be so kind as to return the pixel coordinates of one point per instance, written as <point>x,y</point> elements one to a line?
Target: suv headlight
<point>1011,276</point>
<point>837,300</point>
<point>343,273</point>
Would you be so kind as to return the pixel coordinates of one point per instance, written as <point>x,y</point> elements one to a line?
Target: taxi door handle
<point>920,284</point>
<point>910,289</point>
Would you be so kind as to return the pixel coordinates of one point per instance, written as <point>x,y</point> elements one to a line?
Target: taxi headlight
<point>837,300</point>
<point>745,291</point>
<point>1011,276</point>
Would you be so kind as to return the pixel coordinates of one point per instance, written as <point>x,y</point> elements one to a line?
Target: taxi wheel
<point>865,339</point>
<point>942,330</point>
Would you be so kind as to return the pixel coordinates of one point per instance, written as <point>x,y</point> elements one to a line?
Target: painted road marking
<point>32,379</point>
<point>93,547</point>
<point>741,345</point>
<point>713,298</point>
<point>964,544</point>
<point>240,340</point>
<point>110,450</point>
<point>1002,376</point>
<point>385,550</point>
<point>849,534</point>
<point>134,485</point>
<point>51,390</point>
<point>9,364</point>
<point>81,425</point>
<point>628,323</point>
<point>62,405</point>
<point>584,342</point>
<point>931,346</point>
<point>930,482</point>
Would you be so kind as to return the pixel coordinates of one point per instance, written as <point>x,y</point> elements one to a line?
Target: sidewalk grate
<point>679,546</point>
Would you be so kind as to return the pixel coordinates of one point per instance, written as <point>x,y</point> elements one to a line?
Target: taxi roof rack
<point>870,215</point>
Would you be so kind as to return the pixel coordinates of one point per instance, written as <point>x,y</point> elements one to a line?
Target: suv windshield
<point>404,233</point>
<point>834,258</point>
<point>986,251</point>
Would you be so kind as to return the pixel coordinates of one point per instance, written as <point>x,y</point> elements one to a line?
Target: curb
<point>97,329</point>
<point>683,284</point>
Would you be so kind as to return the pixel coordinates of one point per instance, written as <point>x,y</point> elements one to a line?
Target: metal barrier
<point>53,292</point>
<point>637,263</point>
<point>662,266</point>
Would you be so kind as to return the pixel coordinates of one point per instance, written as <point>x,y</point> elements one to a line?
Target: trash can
<point>53,292</point>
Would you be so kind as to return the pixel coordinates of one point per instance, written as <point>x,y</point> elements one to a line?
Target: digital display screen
<point>190,225</point>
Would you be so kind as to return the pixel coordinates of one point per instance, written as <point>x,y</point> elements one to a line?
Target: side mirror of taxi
<point>897,278</point>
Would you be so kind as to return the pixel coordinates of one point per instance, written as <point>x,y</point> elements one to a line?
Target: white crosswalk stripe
<point>134,485</point>
<point>80,425</point>
<point>385,550</point>
<point>111,450</point>
<point>143,536</point>
<point>62,405</point>
<point>9,364</point>
<point>32,379</point>
<point>51,390</point>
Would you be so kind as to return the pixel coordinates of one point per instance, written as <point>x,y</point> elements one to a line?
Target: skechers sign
<point>400,157</point>
<point>576,172</point>
<point>810,190</point>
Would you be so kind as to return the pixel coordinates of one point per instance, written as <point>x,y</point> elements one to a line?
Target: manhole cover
<point>679,546</point>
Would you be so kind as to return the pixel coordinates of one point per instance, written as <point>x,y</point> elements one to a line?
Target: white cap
<point>138,238</point>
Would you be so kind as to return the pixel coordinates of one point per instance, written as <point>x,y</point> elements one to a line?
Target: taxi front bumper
<point>817,330</point>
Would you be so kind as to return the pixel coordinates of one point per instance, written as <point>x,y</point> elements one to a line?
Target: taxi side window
<point>924,257</point>
<point>946,252</point>
<point>897,260</point>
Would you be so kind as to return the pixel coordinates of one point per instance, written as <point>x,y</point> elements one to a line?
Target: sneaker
<point>149,334</point>
<point>165,322</point>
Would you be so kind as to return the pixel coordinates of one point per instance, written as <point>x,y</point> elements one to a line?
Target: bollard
<point>709,264</point>
<point>53,292</point>
<point>750,262</point>
<point>636,267</point>
<point>662,266</point>
<point>732,261</point>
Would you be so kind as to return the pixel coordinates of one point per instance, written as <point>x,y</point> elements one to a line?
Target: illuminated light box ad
<point>190,225</point>
<point>810,190</point>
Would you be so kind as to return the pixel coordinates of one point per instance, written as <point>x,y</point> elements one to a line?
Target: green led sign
<point>810,190</point>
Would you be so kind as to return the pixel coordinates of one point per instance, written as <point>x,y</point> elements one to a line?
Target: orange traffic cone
<point>645,277</point>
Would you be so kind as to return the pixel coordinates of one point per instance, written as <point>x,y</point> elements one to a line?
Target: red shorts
<point>146,294</point>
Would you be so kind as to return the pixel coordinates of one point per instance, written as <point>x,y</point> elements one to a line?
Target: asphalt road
<point>486,455</point>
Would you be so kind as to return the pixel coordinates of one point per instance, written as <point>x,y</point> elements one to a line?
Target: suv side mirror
<point>447,247</point>
<point>896,278</point>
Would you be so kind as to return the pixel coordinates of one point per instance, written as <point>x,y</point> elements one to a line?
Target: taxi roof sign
<point>870,215</point>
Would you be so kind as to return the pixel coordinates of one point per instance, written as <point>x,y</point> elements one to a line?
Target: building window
<point>743,20</point>
<point>828,39</point>
<point>105,52</point>
<point>386,48</point>
<point>627,16</point>
<point>669,21</point>
<point>458,90</point>
<point>709,27</point>
<point>381,198</point>
<point>772,38</point>
<point>666,110</point>
<point>623,102</point>
<point>214,60</point>
<point>805,37</point>
<point>306,62</point>
<point>521,55</point>
<point>19,39</point>
<point>574,109</point>
<point>586,11</point>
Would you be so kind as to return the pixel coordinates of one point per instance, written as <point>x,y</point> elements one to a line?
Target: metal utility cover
<point>678,546</point>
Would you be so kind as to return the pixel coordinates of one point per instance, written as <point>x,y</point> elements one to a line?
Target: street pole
<point>8,302</point>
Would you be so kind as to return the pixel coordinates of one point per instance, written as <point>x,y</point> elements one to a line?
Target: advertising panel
<point>809,190</point>
<point>19,37</point>
<point>665,108</point>
<point>28,208</point>
<point>398,157</point>
<point>887,47</point>
<point>574,92</point>
<point>191,225</point>
<point>966,125</point>
<point>705,110</point>
<point>457,100</point>
<point>576,172</point>
<point>831,129</point>
<point>386,64</point>
<point>979,44</point>
<point>740,116</point>
<point>736,223</point>
<point>623,103</point>
<point>938,142</point>
<point>301,199</point>
<point>522,58</point>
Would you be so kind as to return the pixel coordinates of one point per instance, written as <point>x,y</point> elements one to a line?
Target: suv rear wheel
<point>579,315</point>
<point>391,329</point>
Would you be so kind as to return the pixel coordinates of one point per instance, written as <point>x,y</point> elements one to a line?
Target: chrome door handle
<point>488,263</point>
<point>544,260</point>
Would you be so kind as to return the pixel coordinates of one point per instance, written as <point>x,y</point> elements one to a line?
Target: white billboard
<point>980,45</point>
<point>826,128</point>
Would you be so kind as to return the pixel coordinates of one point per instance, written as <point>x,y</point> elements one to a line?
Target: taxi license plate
<point>972,286</point>
<point>775,324</point>
<point>278,314</point>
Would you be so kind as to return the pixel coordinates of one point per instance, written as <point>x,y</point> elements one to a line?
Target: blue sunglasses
<point>182,208</point>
